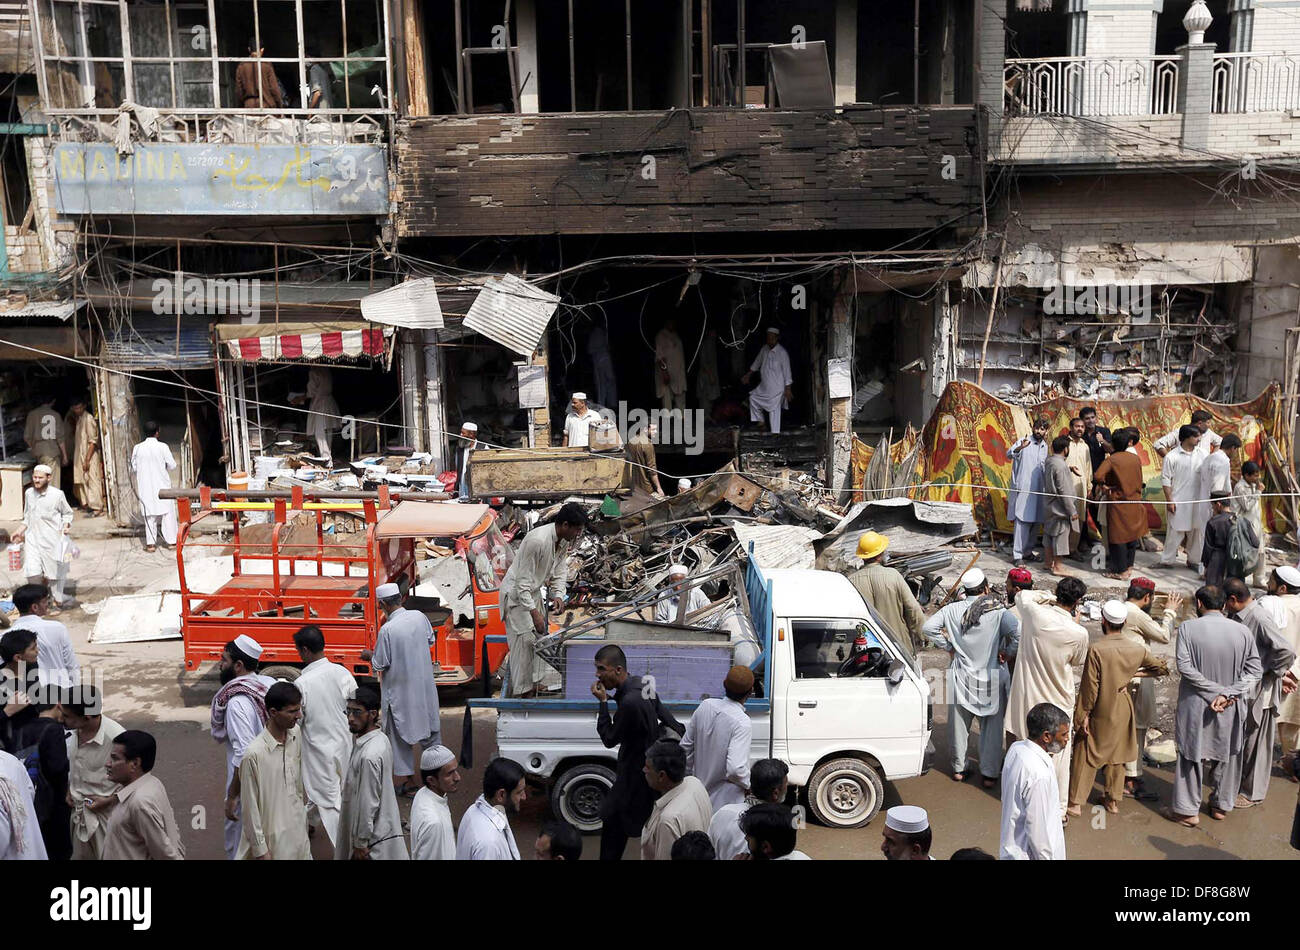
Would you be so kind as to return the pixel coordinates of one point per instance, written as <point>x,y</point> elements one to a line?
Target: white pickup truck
<point>842,732</point>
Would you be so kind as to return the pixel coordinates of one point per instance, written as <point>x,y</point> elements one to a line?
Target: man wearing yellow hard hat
<point>884,589</point>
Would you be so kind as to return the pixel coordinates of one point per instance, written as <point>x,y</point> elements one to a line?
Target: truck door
<point>826,713</point>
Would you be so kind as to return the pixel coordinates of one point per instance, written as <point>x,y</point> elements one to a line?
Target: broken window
<point>285,55</point>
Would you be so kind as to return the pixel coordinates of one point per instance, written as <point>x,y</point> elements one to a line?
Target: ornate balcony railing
<point>1091,86</point>
<point>1256,82</point>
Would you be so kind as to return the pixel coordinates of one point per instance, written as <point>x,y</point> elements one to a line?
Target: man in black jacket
<point>634,728</point>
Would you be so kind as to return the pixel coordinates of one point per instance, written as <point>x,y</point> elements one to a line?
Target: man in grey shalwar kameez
<point>1219,669</point>
<point>1024,495</point>
<point>370,826</point>
<point>410,694</point>
<point>1276,657</point>
<point>978,632</point>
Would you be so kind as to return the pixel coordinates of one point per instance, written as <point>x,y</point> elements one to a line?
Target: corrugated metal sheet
<point>152,344</point>
<point>779,545</point>
<point>512,312</point>
<point>62,309</point>
<point>412,304</point>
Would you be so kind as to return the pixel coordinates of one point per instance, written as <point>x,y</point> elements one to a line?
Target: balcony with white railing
<point>1090,86</point>
<point>1256,82</point>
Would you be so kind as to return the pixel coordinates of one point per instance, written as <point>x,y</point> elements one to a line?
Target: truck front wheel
<point>845,793</point>
<point>578,794</point>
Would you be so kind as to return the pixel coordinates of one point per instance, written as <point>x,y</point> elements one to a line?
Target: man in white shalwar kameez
<point>20,833</point>
<point>1180,477</point>
<point>410,694</point>
<point>152,463</point>
<point>774,381</point>
<point>696,599</point>
<point>432,836</point>
<point>485,833</point>
<point>1173,438</point>
<point>1283,606</point>
<point>47,517</point>
<point>578,422</point>
<point>670,367</point>
<point>326,741</point>
<point>1051,644</point>
<point>540,563</point>
<point>237,718</point>
<point>1031,813</point>
<point>370,826</point>
<point>323,411</point>
<point>718,739</point>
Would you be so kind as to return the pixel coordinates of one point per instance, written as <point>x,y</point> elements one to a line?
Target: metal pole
<point>573,83</point>
<point>916,51</point>
<point>740,52</point>
<point>460,63</point>
<point>627,26</point>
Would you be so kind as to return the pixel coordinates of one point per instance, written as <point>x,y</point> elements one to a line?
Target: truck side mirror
<point>895,672</point>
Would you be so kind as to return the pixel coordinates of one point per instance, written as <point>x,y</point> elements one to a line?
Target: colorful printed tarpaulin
<point>965,442</point>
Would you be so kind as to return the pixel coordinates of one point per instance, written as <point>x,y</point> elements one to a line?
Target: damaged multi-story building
<point>245,179</point>
<point>1139,172</point>
<point>1089,197</point>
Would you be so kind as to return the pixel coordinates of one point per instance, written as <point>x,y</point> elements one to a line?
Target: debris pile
<point>784,519</point>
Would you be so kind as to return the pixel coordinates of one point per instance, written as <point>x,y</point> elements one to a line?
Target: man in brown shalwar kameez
<point>1119,480</point>
<point>87,461</point>
<point>1104,725</point>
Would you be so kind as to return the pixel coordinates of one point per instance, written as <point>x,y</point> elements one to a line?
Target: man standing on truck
<point>666,609</point>
<point>977,632</point>
<point>238,716</point>
<point>539,563</point>
<point>718,738</point>
<point>411,718</point>
<point>885,589</point>
<point>633,729</point>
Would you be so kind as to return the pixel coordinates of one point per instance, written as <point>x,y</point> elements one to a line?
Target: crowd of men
<point>1090,480</point>
<point>318,765</point>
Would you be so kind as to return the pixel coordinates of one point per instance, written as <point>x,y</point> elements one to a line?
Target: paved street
<point>149,689</point>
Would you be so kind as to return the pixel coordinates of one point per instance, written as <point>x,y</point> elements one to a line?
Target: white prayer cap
<point>1114,611</point>
<point>683,484</point>
<point>43,470</point>
<point>384,591</point>
<point>678,569</point>
<point>469,426</point>
<point>972,579</point>
<point>774,330</point>
<point>248,646</point>
<point>435,757</point>
<point>1289,576</point>
<point>582,397</point>
<point>909,819</point>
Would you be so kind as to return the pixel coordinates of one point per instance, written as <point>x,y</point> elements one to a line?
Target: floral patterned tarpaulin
<point>964,454</point>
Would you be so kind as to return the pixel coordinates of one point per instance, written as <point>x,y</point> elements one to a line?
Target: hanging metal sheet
<point>412,304</point>
<point>157,344</point>
<point>512,312</point>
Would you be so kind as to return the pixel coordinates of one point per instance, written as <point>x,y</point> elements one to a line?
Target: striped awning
<point>325,345</point>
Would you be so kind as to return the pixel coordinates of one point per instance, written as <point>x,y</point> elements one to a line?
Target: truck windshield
<point>901,643</point>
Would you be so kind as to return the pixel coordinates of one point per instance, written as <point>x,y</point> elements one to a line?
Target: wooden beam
<point>413,43</point>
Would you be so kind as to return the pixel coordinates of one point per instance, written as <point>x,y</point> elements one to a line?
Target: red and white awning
<point>327,345</point>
